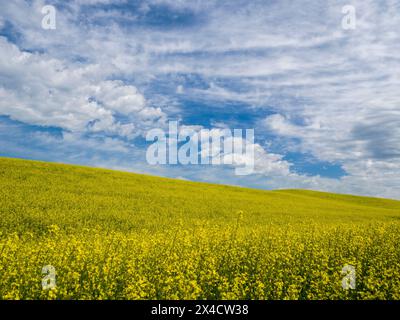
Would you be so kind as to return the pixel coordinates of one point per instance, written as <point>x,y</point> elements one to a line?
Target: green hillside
<point>116,235</point>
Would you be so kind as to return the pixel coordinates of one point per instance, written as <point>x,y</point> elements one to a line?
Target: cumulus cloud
<point>41,90</point>
<point>252,159</point>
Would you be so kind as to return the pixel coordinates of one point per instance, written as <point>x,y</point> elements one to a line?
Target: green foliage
<point>114,235</point>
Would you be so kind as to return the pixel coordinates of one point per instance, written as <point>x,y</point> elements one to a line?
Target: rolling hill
<point>117,235</point>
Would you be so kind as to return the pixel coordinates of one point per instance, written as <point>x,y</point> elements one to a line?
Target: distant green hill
<point>120,235</point>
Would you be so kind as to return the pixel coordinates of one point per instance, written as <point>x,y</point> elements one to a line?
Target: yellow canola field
<point>115,235</point>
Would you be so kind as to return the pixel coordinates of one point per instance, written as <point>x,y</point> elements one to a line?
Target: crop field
<point>115,235</point>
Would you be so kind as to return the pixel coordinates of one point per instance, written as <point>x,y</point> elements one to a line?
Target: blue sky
<point>324,101</point>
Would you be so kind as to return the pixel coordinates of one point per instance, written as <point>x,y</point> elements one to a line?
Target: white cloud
<point>41,90</point>
<point>254,157</point>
